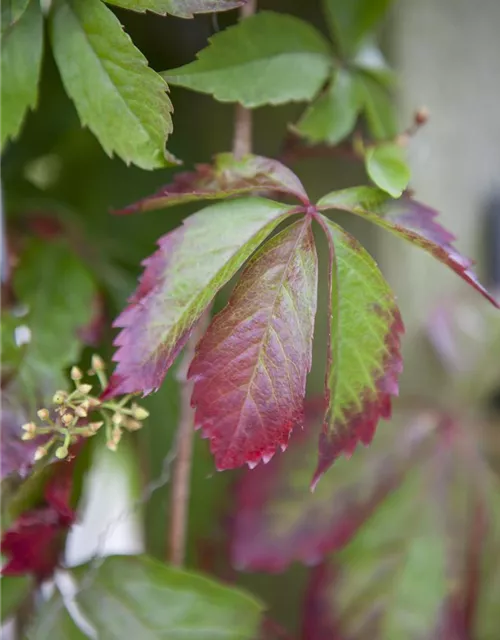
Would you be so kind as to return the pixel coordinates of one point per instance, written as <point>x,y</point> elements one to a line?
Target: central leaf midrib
<point>245,63</point>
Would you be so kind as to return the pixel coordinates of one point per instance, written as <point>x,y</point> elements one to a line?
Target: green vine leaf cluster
<point>101,69</point>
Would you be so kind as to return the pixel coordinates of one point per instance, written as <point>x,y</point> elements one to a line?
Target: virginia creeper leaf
<point>122,101</point>
<point>180,279</point>
<point>364,360</point>
<point>333,115</point>
<point>179,8</point>
<point>269,58</point>
<point>387,167</point>
<point>250,368</point>
<point>136,596</point>
<point>416,568</point>
<point>278,520</point>
<point>227,176</point>
<point>389,582</point>
<point>22,48</point>
<point>350,22</point>
<point>407,219</point>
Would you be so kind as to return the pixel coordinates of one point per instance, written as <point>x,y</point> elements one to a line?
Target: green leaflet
<point>138,597</point>
<point>116,94</point>
<point>179,8</point>
<point>333,115</point>
<point>22,48</point>
<point>270,58</point>
<point>386,165</point>
<point>352,20</point>
<point>378,107</point>
<point>57,291</point>
<point>363,356</point>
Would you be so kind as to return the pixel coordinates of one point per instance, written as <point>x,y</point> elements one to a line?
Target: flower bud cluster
<point>71,415</point>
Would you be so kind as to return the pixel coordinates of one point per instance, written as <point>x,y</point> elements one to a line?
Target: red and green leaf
<point>406,219</point>
<point>364,359</point>
<point>279,521</point>
<point>418,566</point>
<point>226,177</point>
<point>180,280</point>
<point>250,368</point>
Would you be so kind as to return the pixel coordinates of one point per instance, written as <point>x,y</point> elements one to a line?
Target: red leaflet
<point>407,219</point>
<point>416,222</point>
<point>226,177</point>
<point>279,521</point>
<point>250,368</point>
<point>35,540</point>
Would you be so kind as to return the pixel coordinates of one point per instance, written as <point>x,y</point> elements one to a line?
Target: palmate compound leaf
<point>269,58</point>
<point>22,48</point>
<point>122,101</point>
<point>227,176</point>
<point>423,565</point>
<point>408,219</point>
<point>179,8</point>
<point>180,279</point>
<point>364,359</point>
<point>250,368</point>
<point>138,597</point>
<point>279,521</point>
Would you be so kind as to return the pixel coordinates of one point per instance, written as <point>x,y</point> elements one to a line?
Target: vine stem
<point>242,141</point>
<point>181,477</point>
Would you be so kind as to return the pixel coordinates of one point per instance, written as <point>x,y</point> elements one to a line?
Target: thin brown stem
<point>181,477</point>
<point>242,140</point>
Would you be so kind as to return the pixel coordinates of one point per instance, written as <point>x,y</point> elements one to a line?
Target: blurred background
<point>446,56</point>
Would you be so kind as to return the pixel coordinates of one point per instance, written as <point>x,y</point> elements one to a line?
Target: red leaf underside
<point>226,177</point>
<point>250,368</point>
